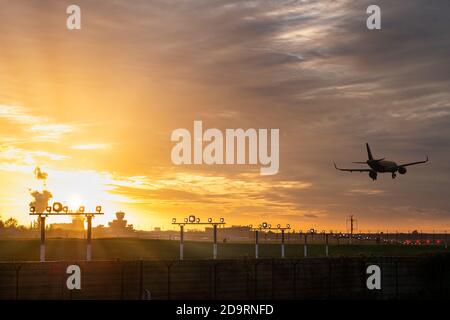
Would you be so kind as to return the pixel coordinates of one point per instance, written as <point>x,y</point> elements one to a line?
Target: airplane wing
<point>412,163</point>
<point>352,170</point>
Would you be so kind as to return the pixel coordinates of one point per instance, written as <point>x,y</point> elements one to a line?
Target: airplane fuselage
<point>383,166</point>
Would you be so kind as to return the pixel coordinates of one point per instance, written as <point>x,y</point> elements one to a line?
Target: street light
<point>282,229</point>
<point>56,209</point>
<point>193,220</point>
<point>268,226</point>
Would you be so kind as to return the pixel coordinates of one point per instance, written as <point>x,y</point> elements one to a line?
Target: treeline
<point>11,223</point>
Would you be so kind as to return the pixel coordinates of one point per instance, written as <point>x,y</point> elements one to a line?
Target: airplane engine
<point>373,175</point>
<point>402,170</point>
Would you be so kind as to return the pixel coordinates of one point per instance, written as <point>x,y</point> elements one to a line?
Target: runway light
<point>198,220</point>
<point>81,209</point>
<point>270,226</point>
<point>49,209</point>
<point>191,218</point>
<point>209,220</point>
<point>32,209</point>
<point>264,225</point>
<point>98,209</point>
<point>222,220</point>
<point>250,226</point>
<point>185,219</point>
<point>65,209</point>
<point>278,225</point>
<point>288,226</point>
<point>57,207</point>
<point>174,220</point>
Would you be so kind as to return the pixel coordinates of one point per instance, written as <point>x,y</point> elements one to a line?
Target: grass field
<point>130,249</point>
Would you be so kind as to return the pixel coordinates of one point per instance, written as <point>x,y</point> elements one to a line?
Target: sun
<point>75,201</point>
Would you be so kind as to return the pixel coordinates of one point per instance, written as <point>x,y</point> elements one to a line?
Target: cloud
<point>38,128</point>
<point>309,215</point>
<point>18,114</point>
<point>368,192</point>
<point>49,132</point>
<point>24,156</point>
<point>90,146</point>
<point>309,68</point>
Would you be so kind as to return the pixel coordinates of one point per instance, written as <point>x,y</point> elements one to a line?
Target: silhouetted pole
<point>446,240</point>
<point>215,242</point>
<point>282,243</point>
<point>256,244</point>
<point>326,245</point>
<point>181,241</point>
<point>42,250</point>
<point>351,228</point>
<point>89,238</point>
<point>305,248</point>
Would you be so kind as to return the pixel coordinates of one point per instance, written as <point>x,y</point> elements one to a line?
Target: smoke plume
<point>40,198</point>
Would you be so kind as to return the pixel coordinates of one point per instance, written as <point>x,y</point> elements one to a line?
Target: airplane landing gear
<point>393,175</point>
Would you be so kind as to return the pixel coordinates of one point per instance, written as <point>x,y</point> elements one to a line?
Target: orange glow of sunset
<point>95,109</point>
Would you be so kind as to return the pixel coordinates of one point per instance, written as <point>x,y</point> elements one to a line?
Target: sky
<point>95,108</point>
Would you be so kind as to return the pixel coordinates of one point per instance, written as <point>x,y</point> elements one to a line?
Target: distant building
<point>77,224</point>
<point>119,226</point>
<point>74,229</point>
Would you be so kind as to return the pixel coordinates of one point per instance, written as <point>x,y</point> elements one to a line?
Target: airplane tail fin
<point>369,153</point>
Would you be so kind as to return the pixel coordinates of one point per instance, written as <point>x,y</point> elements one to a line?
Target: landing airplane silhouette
<point>381,166</point>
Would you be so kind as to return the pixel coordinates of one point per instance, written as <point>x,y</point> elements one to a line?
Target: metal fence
<point>311,278</point>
